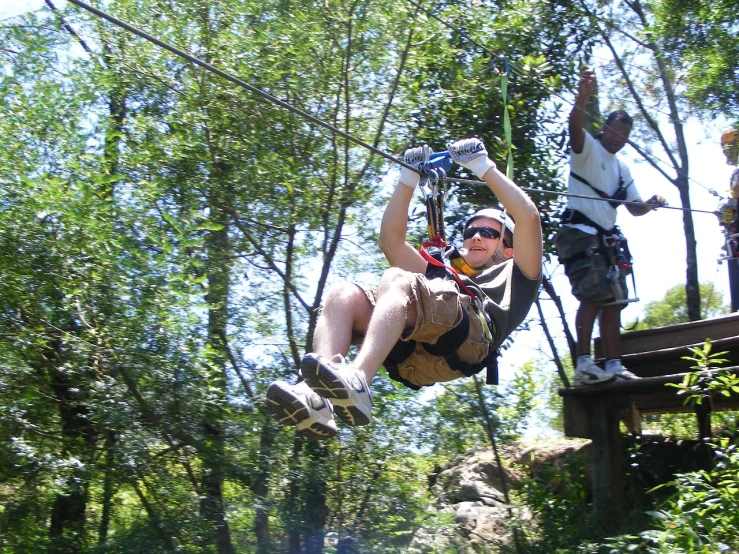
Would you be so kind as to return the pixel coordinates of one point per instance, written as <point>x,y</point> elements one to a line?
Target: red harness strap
<point>438,242</point>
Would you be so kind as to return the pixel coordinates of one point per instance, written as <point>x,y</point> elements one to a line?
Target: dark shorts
<point>587,268</point>
<point>439,305</point>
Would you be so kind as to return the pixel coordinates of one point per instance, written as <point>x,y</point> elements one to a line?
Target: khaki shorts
<point>587,274</point>
<point>439,305</point>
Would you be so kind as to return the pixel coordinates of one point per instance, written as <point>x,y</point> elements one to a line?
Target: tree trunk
<point>315,510</point>
<point>692,289</point>
<point>571,343</point>
<point>553,347</point>
<point>108,486</point>
<point>68,518</point>
<point>212,507</point>
<point>260,488</point>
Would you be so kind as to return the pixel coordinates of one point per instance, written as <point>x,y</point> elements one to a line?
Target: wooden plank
<point>669,360</point>
<point>631,416</point>
<point>667,402</point>
<point>649,385</point>
<point>676,336</point>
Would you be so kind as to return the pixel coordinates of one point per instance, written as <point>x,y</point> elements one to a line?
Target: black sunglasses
<point>485,232</point>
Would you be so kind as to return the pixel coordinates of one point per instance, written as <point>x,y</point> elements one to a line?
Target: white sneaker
<point>298,405</point>
<point>587,372</point>
<point>339,382</point>
<point>620,373</point>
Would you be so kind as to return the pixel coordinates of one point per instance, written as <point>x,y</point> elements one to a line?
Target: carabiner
<point>505,65</point>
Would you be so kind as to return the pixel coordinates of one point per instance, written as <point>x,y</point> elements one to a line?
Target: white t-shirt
<point>604,171</point>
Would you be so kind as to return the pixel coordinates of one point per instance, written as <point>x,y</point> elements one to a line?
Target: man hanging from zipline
<point>426,323</point>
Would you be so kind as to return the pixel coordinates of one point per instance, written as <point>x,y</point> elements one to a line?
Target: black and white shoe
<point>345,386</point>
<point>311,414</point>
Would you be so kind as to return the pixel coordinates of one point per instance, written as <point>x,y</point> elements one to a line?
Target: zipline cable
<point>309,116</point>
<point>239,82</point>
<point>583,196</point>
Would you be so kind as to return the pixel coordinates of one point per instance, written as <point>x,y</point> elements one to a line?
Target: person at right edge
<point>589,243</point>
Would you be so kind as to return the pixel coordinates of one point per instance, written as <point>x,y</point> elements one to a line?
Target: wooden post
<point>608,478</point>
<point>703,413</point>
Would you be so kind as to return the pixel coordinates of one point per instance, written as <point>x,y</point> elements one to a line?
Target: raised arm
<point>527,239</point>
<point>394,224</point>
<point>577,115</point>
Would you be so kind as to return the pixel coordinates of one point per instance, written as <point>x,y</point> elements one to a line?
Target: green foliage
<point>701,38</point>
<point>456,94</point>
<point>520,397</point>
<point>467,413</point>
<point>679,426</point>
<point>701,385</point>
<point>147,211</point>
<point>165,241</point>
<point>558,499</point>
<point>702,515</point>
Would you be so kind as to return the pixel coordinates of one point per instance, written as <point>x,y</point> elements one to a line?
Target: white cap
<point>495,214</point>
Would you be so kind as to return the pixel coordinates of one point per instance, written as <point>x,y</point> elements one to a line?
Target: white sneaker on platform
<point>344,385</point>
<point>620,372</point>
<point>588,372</point>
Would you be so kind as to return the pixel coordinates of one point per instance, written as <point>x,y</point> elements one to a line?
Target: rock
<point>471,489</point>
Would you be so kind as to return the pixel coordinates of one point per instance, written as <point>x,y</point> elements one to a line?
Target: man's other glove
<point>414,157</point>
<point>471,154</point>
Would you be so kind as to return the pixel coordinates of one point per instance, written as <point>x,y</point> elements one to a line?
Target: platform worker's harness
<point>613,246</point>
<point>728,211</point>
<point>446,262</point>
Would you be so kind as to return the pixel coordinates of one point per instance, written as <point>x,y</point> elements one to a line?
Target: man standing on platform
<point>590,245</point>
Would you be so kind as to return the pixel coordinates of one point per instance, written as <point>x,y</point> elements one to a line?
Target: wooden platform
<point>633,400</point>
<point>655,355</point>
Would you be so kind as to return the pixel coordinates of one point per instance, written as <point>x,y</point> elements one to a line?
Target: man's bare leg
<point>346,309</point>
<point>584,322</point>
<point>393,313</point>
<point>610,331</point>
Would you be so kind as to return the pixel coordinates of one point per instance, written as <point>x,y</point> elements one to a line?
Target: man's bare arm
<point>577,115</point>
<point>527,239</point>
<point>394,226</point>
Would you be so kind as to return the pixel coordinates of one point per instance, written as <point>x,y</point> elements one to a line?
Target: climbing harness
<point>432,185</point>
<point>617,198</point>
<point>618,256</point>
<point>614,248</point>
<point>728,216</point>
<point>447,262</point>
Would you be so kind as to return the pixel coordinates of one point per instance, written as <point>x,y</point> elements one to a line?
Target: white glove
<point>471,154</point>
<point>414,157</point>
